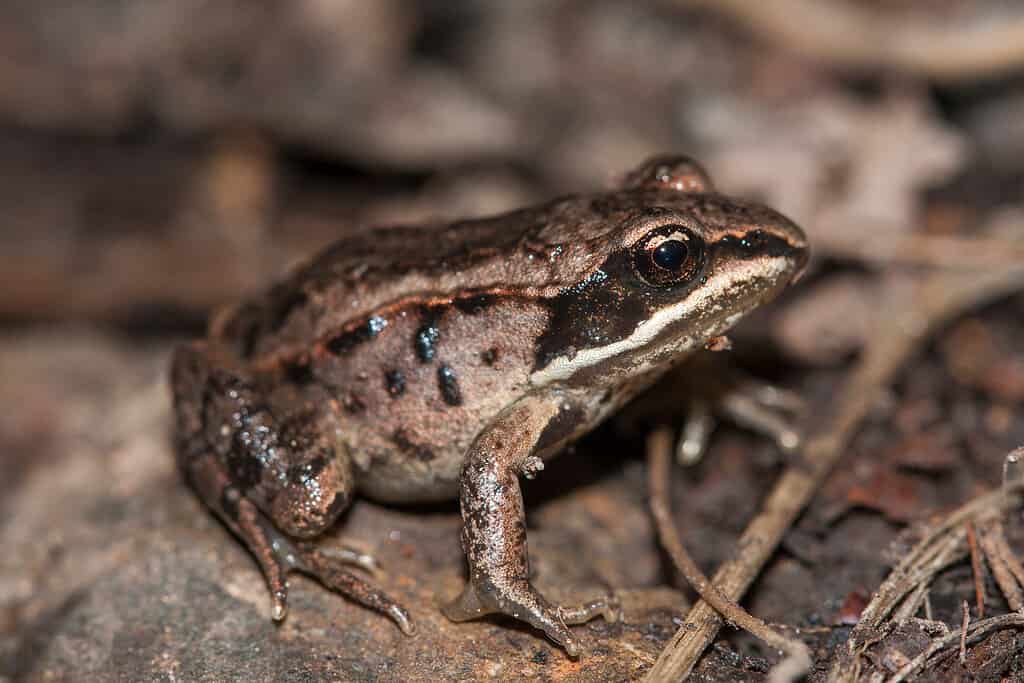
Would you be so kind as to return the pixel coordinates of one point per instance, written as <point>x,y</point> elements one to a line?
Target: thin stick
<point>979,587</point>
<point>659,458</point>
<point>997,552</point>
<point>963,633</point>
<point>943,543</point>
<point>910,318</point>
<point>1012,563</point>
<point>975,631</point>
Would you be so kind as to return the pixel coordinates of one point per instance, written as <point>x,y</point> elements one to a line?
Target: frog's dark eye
<point>668,255</point>
<point>671,254</point>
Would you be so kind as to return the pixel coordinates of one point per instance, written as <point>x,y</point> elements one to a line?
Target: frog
<point>414,364</point>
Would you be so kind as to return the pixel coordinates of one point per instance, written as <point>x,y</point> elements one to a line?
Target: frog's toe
<point>552,623</point>
<point>328,569</point>
<point>400,616</point>
<point>527,605</point>
<point>697,428</point>
<point>351,556</point>
<point>768,410</point>
<point>607,606</point>
<point>279,603</point>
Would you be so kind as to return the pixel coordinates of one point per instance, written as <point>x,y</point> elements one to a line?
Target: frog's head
<point>672,265</point>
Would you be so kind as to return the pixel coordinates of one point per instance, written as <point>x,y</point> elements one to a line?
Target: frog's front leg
<point>494,527</point>
<point>272,481</point>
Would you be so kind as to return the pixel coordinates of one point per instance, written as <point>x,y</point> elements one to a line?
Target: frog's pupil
<point>670,254</point>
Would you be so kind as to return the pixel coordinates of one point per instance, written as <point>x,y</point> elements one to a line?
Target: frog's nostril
<point>796,250</point>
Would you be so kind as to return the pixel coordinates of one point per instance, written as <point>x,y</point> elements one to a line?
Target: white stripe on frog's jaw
<point>713,308</point>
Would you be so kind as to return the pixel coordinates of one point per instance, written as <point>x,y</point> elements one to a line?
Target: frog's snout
<point>801,255</point>
<point>795,247</point>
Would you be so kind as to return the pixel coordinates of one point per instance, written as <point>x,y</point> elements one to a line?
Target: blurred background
<point>159,158</point>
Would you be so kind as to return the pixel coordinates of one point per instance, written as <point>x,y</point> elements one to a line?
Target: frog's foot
<point>761,407</point>
<point>521,601</point>
<point>768,410</point>
<point>281,556</point>
<point>352,556</point>
<point>327,568</point>
<point>278,555</point>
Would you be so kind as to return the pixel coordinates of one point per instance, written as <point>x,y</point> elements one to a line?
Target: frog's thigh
<point>494,527</point>
<point>284,465</point>
<point>318,485</point>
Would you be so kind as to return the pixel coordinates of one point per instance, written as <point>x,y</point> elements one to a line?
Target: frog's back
<point>357,276</point>
<point>412,338</point>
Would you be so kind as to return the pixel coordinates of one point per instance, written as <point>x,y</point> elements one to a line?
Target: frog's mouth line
<point>679,328</point>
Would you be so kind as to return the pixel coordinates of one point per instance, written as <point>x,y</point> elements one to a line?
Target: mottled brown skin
<point>428,363</point>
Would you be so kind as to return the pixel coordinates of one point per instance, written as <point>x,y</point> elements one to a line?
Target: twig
<point>979,579</point>
<point>901,594</point>
<point>942,544</point>
<point>848,35</point>
<point>659,451</point>
<point>972,633</point>
<point>1002,560</point>
<point>911,317</point>
<point>963,633</point>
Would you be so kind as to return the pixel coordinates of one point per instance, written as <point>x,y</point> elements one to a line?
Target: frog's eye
<point>668,255</point>
<point>672,172</point>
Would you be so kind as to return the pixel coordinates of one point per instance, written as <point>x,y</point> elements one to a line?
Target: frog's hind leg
<point>199,387</point>
<point>278,555</point>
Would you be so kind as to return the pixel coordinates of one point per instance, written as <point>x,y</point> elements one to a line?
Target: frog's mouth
<point>731,288</point>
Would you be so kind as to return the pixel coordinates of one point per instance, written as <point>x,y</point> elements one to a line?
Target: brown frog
<point>414,365</point>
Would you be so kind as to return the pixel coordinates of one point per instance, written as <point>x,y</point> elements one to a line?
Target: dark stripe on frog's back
<point>374,268</point>
<point>384,255</point>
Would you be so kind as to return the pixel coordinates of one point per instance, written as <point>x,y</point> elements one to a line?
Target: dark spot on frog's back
<point>425,341</point>
<point>349,339</point>
<point>449,385</point>
<point>489,356</point>
<point>406,445</point>
<point>394,380</point>
<point>476,304</point>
